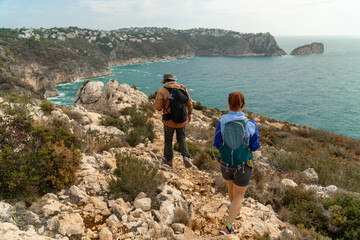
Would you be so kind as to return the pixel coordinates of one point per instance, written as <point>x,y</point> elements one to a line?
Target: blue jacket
<point>252,133</point>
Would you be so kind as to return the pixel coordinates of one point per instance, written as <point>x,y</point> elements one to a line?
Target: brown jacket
<point>162,103</point>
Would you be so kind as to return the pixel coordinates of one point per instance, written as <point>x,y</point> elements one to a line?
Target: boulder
<point>9,231</point>
<point>178,227</point>
<point>5,212</point>
<point>308,49</point>
<point>143,203</point>
<point>51,208</point>
<point>288,182</point>
<point>89,93</point>
<point>105,234</point>
<point>310,175</point>
<point>67,224</point>
<point>111,101</point>
<point>76,194</point>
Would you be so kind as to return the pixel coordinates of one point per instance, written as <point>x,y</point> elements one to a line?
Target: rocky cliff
<point>36,64</point>
<point>308,49</point>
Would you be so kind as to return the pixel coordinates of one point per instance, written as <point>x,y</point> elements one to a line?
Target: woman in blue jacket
<point>238,176</point>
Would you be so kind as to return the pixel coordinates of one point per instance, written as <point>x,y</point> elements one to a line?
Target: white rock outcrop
<point>109,102</point>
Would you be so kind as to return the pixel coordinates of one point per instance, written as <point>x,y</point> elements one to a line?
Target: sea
<point>320,90</point>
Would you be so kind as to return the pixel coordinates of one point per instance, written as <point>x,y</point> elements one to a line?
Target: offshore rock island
<point>308,49</point>
<point>35,60</point>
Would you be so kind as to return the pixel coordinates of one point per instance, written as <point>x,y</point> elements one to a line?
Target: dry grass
<point>181,216</point>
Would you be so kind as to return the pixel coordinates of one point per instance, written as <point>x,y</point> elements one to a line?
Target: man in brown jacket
<point>162,103</point>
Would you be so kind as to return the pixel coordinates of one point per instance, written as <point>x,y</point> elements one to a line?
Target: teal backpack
<point>234,151</point>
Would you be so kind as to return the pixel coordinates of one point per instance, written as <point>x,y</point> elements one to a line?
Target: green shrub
<point>264,236</point>
<point>192,147</point>
<point>337,217</point>
<point>148,108</point>
<point>214,122</point>
<point>141,127</point>
<point>133,176</point>
<point>344,222</point>
<point>17,106</point>
<point>115,122</point>
<point>204,161</point>
<point>152,96</point>
<point>305,209</point>
<point>128,111</point>
<point>46,106</point>
<point>285,161</point>
<point>198,106</point>
<point>35,159</point>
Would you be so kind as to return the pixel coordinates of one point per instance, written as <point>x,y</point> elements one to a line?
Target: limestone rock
<point>89,93</point>
<point>76,193</point>
<point>308,49</point>
<point>105,234</point>
<point>288,182</point>
<point>178,227</point>
<point>109,102</point>
<point>67,224</point>
<point>310,175</point>
<point>51,208</point>
<point>143,203</point>
<point>113,221</point>
<point>9,231</point>
<point>5,212</point>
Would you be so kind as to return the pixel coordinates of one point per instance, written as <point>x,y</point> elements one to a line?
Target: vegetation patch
<point>35,159</point>
<point>46,106</point>
<point>133,176</point>
<point>138,126</point>
<point>337,217</point>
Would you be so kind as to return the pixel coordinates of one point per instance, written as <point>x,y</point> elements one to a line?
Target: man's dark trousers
<point>180,137</point>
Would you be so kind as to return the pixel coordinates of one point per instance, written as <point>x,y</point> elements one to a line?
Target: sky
<point>279,17</point>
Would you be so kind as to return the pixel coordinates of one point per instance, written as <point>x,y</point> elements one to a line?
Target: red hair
<point>236,101</point>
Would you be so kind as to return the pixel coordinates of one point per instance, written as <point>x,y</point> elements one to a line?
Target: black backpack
<point>178,99</point>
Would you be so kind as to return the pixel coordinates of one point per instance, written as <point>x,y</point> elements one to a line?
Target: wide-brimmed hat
<point>168,76</point>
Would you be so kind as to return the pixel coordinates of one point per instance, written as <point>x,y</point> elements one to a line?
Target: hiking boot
<point>226,231</point>
<point>238,216</point>
<point>187,162</point>
<point>167,162</point>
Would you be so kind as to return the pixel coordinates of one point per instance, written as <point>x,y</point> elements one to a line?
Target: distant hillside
<point>35,60</point>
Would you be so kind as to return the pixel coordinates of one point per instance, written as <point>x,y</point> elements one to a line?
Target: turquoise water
<point>321,90</point>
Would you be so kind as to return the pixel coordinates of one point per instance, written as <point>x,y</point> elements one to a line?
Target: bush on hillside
<point>35,159</point>
<point>148,108</point>
<point>17,106</point>
<point>132,176</point>
<point>138,127</point>
<point>46,106</point>
<point>337,217</point>
<point>204,161</point>
<point>142,128</point>
<point>192,147</point>
<point>152,96</point>
<point>115,122</point>
<point>198,106</point>
<point>93,142</point>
